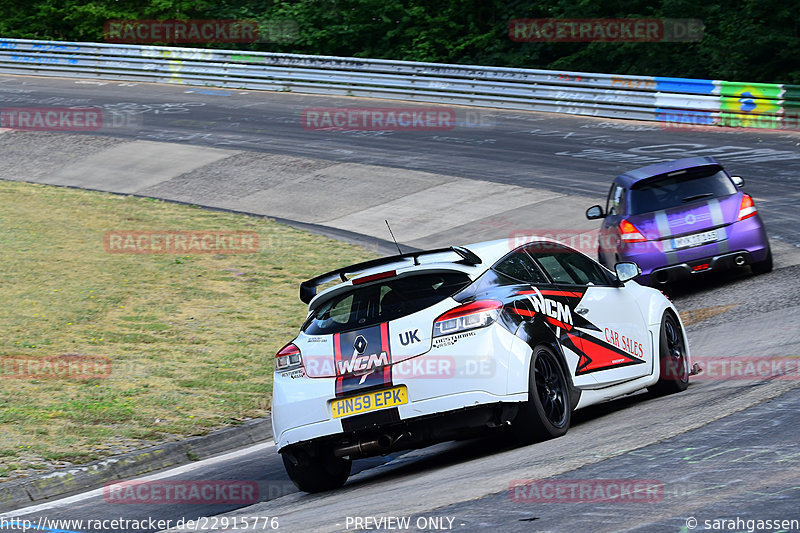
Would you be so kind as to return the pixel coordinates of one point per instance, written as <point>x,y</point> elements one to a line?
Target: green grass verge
<point>191,338</point>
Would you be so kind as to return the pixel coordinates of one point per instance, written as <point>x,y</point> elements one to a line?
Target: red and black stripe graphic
<point>578,293</point>
<point>369,368</point>
<point>570,298</point>
<point>529,313</point>
<point>597,355</point>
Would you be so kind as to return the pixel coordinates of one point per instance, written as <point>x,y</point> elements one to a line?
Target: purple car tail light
<point>747,208</point>
<point>629,233</point>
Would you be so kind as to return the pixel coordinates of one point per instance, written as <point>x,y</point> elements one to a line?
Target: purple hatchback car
<point>680,219</point>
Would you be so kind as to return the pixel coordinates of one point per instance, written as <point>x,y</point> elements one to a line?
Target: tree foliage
<point>749,40</point>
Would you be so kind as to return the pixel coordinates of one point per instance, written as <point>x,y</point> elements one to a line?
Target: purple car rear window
<point>676,190</point>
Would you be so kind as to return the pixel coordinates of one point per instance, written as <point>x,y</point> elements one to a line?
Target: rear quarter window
<point>565,265</point>
<point>615,199</point>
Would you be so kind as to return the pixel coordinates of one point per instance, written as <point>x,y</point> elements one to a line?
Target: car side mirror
<point>595,212</point>
<point>738,181</point>
<point>626,271</point>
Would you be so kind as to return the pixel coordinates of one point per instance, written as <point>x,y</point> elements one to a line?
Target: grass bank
<point>188,338</point>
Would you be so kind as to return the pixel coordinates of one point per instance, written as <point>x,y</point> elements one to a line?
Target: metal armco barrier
<point>676,101</point>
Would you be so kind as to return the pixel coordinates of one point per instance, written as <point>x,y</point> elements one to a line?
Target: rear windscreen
<point>680,189</point>
<point>380,302</point>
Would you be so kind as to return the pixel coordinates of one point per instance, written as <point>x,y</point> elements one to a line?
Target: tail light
<point>630,233</point>
<point>468,316</point>
<point>747,209</point>
<point>288,357</point>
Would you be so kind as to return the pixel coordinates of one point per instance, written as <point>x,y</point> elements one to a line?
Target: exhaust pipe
<point>381,444</point>
<point>662,277</point>
<point>739,260</point>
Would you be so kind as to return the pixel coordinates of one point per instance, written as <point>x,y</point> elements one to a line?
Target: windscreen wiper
<point>697,197</point>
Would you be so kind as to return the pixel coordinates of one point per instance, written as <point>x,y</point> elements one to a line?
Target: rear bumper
<point>745,243</point>
<point>437,419</point>
<point>686,270</point>
<point>475,370</point>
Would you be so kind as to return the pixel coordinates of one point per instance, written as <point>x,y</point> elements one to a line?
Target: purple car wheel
<point>762,267</point>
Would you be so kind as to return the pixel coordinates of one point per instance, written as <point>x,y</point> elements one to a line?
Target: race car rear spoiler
<point>308,289</point>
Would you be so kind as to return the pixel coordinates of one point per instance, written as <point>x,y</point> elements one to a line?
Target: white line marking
<point>160,475</point>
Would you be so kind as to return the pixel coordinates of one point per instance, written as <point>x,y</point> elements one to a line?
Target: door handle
<point>581,310</point>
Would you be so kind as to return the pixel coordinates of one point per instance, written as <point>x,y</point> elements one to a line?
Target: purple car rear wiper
<point>697,197</point>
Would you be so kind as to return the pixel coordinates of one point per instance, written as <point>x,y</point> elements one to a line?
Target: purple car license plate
<point>694,240</point>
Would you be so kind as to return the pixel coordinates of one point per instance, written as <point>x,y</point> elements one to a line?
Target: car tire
<point>547,413</point>
<point>673,361</point>
<point>315,473</point>
<point>762,267</point>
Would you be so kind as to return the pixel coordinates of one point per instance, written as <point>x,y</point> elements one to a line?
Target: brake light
<point>468,316</point>
<point>288,357</point>
<point>374,277</point>
<point>747,209</point>
<point>630,233</point>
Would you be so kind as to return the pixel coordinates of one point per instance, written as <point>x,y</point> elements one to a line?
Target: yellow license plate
<point>369,402</point>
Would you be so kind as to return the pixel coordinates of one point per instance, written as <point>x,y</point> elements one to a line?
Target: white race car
<point>424,347</point>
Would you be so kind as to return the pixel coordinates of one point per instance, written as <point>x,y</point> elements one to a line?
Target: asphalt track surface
<point>723,449</point>
<point>572,155</point>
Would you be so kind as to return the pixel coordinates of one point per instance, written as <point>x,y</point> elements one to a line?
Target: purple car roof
<point>633,176</point>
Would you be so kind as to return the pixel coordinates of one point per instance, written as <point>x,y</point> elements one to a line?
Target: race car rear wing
<point>308,289</point>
